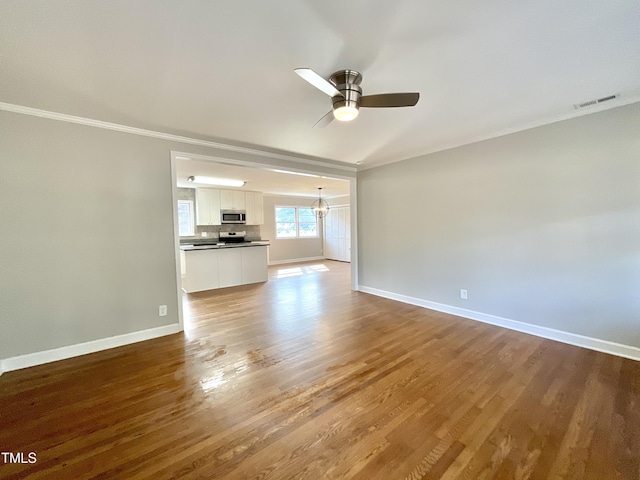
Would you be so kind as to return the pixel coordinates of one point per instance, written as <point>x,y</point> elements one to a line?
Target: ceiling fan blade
<point>324,121</point>
<point>317,81</point>
<point>387,100</point>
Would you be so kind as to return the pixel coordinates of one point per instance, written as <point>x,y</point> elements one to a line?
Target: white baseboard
<point>626,351</point>
<point>295,260</point>
<point>38,358</point>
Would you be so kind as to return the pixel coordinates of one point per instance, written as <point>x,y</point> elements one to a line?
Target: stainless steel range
<point>232,237</point>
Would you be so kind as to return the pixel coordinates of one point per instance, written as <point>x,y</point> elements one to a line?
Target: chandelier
<point>320,207</point>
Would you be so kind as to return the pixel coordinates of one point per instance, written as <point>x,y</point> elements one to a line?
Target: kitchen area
<point>225,248</point>
<point>226,225</point>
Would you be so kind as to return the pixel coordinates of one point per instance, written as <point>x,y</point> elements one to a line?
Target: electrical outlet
<point>463,294</point>
<point>204,234</point>
<point>162,311</point>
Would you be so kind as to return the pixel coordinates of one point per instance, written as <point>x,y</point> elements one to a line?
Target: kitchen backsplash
<point>212,231</point>
<point>253,231</point>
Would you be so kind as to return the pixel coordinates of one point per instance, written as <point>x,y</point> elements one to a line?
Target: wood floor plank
<point>301,378</point>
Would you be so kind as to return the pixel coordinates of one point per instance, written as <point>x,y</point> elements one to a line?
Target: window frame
<point>297,223</point>
<point>192,218</point>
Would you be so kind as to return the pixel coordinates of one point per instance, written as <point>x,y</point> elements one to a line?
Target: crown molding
<point>63,117</point>
<point>620,101</point>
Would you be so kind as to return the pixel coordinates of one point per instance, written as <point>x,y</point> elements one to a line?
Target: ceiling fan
<point>344,89</point>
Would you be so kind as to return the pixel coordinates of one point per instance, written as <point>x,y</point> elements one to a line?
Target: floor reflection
<point>211,383</point>
<point>298,271</point>
<point>297,301</point>
<point>223,375</point>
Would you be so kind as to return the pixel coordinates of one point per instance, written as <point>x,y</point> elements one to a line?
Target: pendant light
<point>320,207</point>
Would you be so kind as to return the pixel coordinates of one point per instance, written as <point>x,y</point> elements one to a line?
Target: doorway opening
<point>277,187</point>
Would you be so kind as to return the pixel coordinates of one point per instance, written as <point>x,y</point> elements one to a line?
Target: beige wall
<point>87,247</point>
<point>541,226</point>
<point>87,243</point>
<point>288,249</point>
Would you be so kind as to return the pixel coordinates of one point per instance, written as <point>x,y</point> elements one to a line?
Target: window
<point>185,218</point>
<point>296,222</point>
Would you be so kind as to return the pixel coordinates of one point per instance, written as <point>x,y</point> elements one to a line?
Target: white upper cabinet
<point>255,208</point>
<point>209,202</point>
<point>207,206</point>
<point>232,200</point>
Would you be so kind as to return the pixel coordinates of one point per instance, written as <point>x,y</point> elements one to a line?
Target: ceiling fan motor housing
<point>348,83</point>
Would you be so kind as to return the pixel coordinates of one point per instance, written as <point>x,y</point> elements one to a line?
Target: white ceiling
<point>261,179</point>
<point>223,70</point>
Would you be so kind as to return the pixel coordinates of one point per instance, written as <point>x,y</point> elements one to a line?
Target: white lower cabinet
<point>230,266</point>
<point>254,260</point>
<point>223,267</point>
<point>200,271</point>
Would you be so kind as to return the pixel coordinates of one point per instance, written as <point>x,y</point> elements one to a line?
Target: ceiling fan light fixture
<point>346,95</point>
<point>345,113</point>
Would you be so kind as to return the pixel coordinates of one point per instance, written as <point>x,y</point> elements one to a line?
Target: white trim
<point>626,351</point>
<point>296,260</point>
<point>353,205</point>
<point>38,358</point>
<point>176,237</point>
<point>311,196</point>
<point>271,166</point>
<point>63,117</point>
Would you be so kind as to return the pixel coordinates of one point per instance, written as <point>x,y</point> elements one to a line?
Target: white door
<point>337,234</point>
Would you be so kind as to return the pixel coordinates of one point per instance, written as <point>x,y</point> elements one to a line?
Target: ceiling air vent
<point>591,103</point>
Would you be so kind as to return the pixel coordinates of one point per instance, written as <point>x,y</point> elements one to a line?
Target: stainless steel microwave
<point>233,216</point>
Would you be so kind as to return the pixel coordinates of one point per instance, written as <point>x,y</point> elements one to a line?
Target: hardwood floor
<point>302,378</point>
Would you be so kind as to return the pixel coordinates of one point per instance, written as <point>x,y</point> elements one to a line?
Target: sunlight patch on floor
<point>297,271</point>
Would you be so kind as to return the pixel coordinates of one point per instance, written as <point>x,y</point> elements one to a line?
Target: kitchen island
<point>220,265</point>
